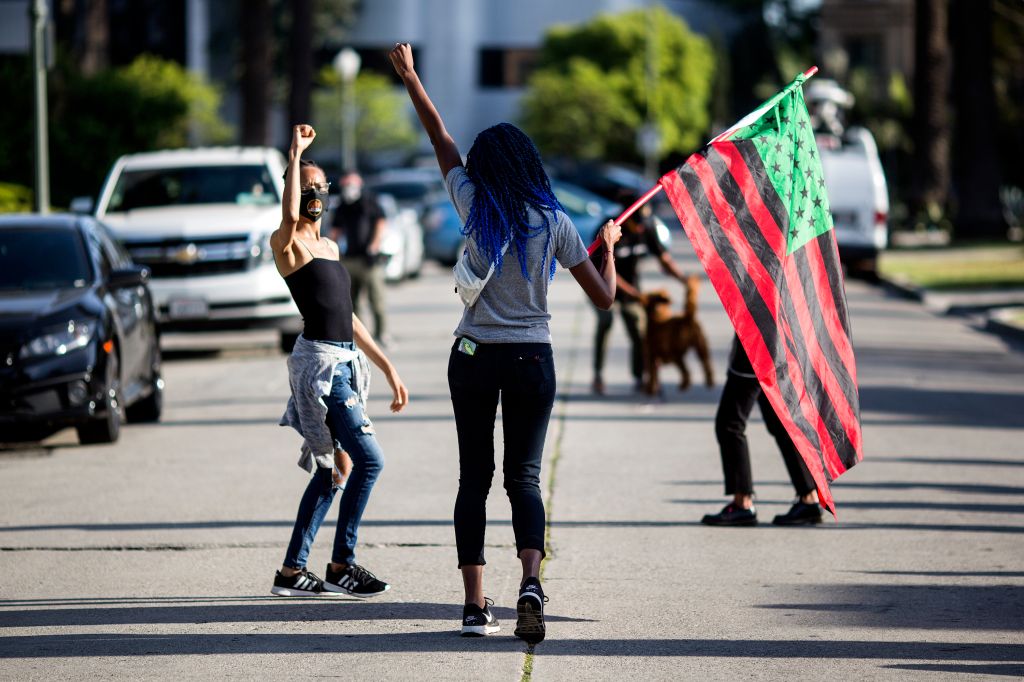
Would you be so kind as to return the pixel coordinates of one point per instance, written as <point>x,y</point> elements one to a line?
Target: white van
<point>857,191</point>
<point>201,220</point>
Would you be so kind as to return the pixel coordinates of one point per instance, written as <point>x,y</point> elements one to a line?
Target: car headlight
<point>260,250</point>
<point>59,341</point>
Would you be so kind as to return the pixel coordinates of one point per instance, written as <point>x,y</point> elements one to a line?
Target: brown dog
<point>669,336</point>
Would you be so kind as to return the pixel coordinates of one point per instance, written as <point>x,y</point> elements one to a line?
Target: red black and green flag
<point>753,203</point>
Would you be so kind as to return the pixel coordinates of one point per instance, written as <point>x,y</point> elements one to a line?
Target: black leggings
<point>738,397</point>
<point>522,375</point>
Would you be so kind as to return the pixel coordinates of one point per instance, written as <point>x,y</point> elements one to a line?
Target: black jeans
<point>522,375</point>
<point>738,397</point>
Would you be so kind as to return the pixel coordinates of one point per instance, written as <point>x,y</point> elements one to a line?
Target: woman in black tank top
<point>326,356</point>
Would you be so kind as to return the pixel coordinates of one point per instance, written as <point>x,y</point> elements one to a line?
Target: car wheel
<point>286,342</point>
<point>149,409</point>
<point>106,429</point>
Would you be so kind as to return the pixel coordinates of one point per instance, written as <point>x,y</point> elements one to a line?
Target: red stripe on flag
<point>811,414</point>
<point>762,279</point>
<point>775,236</point>
<point>744,323</point>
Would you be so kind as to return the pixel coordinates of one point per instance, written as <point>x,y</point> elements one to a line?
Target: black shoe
<point>800,514</point>
<point>530,612</point>
<point>478,622</point>
<point>356,581</point>
<point>731,515</point>
<point>303,584</point>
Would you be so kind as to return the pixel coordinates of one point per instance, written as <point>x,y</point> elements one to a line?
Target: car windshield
<point>42,259</point>
<point>183,186</point>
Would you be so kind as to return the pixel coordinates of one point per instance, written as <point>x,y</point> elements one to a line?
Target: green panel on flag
<point>784,138</point>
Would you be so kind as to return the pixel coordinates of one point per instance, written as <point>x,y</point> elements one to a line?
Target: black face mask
<point>312,204</point>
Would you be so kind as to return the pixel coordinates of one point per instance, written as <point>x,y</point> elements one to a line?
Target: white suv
<point>201,220</point>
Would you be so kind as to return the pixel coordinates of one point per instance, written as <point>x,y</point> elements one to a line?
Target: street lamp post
<point>346,64</point>
<point>40,17</point>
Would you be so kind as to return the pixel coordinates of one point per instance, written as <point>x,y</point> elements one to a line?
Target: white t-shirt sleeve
<point>569,248</point>
<point>460,191</point>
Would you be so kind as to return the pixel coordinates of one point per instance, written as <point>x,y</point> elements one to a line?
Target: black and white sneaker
<point>303,584</point>
<point>478,622</point>
<point>530,612</point>
<point>355,581</point>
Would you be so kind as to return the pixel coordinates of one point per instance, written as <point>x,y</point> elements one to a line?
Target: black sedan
<point>78,337</point>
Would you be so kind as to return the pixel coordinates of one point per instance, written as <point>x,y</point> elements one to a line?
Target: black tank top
<point>322,290</point>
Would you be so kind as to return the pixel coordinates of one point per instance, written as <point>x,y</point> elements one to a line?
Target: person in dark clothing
<point>639,240</point>
<point>359,221</point>
<point>740,393</point>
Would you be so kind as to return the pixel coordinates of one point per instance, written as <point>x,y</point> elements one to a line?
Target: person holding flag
<point>754,206</point>
<point>740,393</point>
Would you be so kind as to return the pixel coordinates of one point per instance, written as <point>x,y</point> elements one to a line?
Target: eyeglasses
<point>322,187</point>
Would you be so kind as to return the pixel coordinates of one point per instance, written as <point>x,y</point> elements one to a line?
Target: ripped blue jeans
<point>353,433</point>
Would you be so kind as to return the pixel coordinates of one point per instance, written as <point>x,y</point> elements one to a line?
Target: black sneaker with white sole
<point>478,622</point>
<point>355,581</point>
<point>530,612</point>
<point>304,584</point>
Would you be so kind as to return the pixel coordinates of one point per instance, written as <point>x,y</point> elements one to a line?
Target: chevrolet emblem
<point>185,255</point>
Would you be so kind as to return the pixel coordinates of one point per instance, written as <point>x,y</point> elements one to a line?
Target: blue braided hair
<point>506,170</point>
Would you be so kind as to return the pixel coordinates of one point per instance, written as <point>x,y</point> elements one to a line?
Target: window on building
<point>504,67</point>
<point>867,51</point>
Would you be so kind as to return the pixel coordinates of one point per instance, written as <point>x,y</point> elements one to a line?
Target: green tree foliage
<point>15,198</point>
<point>590,93</point>
<point>149,104</point>
<point>382,123</point>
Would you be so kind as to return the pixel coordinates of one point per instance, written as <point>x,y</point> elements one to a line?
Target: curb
<point>997,317</point>
<point>903,289</point>
<point>999,322</point>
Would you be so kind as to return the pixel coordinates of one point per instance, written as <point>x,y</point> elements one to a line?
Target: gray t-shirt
<point>512,309</point>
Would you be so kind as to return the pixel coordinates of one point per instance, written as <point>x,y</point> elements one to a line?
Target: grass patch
<point>970,267</point>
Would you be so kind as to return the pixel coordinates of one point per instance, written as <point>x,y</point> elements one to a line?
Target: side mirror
<point>82,205</point>
<point>128,277</point>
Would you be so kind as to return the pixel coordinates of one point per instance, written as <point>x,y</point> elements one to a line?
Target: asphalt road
<point>153,558</point>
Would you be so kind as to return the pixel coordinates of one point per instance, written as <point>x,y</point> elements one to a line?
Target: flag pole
<point>650,194</point>
<point>633,208</point>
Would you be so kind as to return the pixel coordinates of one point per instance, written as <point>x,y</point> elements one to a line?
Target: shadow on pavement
<point>966,461</point>
<point>323,609</point>
<point>893,504</point>
<point>107,644</point>
<point>950,574</point>
<point>212,525</point>
<point>446,417</point>
<point>927,607</point>
<point>945,406</point>
<point>1001,669</point>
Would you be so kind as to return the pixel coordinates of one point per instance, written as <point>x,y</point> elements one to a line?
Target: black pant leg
<point>474,391</point>
<point>527,397</point>
<point>734,407</point>
<point>799,474</point>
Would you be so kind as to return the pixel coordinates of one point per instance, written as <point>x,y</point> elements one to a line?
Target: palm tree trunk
<point>301,62</point>
<point>931,168</point>
<point>976,173</point>
<point>255,25</point>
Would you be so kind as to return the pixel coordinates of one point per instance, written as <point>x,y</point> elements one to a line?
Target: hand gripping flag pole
<point>754,206</point>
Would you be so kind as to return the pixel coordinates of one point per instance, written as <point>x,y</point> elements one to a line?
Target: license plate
<point>180,308</point>
<point>846,219</point>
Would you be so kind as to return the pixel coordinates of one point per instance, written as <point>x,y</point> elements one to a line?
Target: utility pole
<point>39,16</point>
<point>649,139</point>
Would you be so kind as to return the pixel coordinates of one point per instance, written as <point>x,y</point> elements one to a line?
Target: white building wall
<point>448,35</point>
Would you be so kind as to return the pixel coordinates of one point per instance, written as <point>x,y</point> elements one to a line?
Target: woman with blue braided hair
<point>516,230</point>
